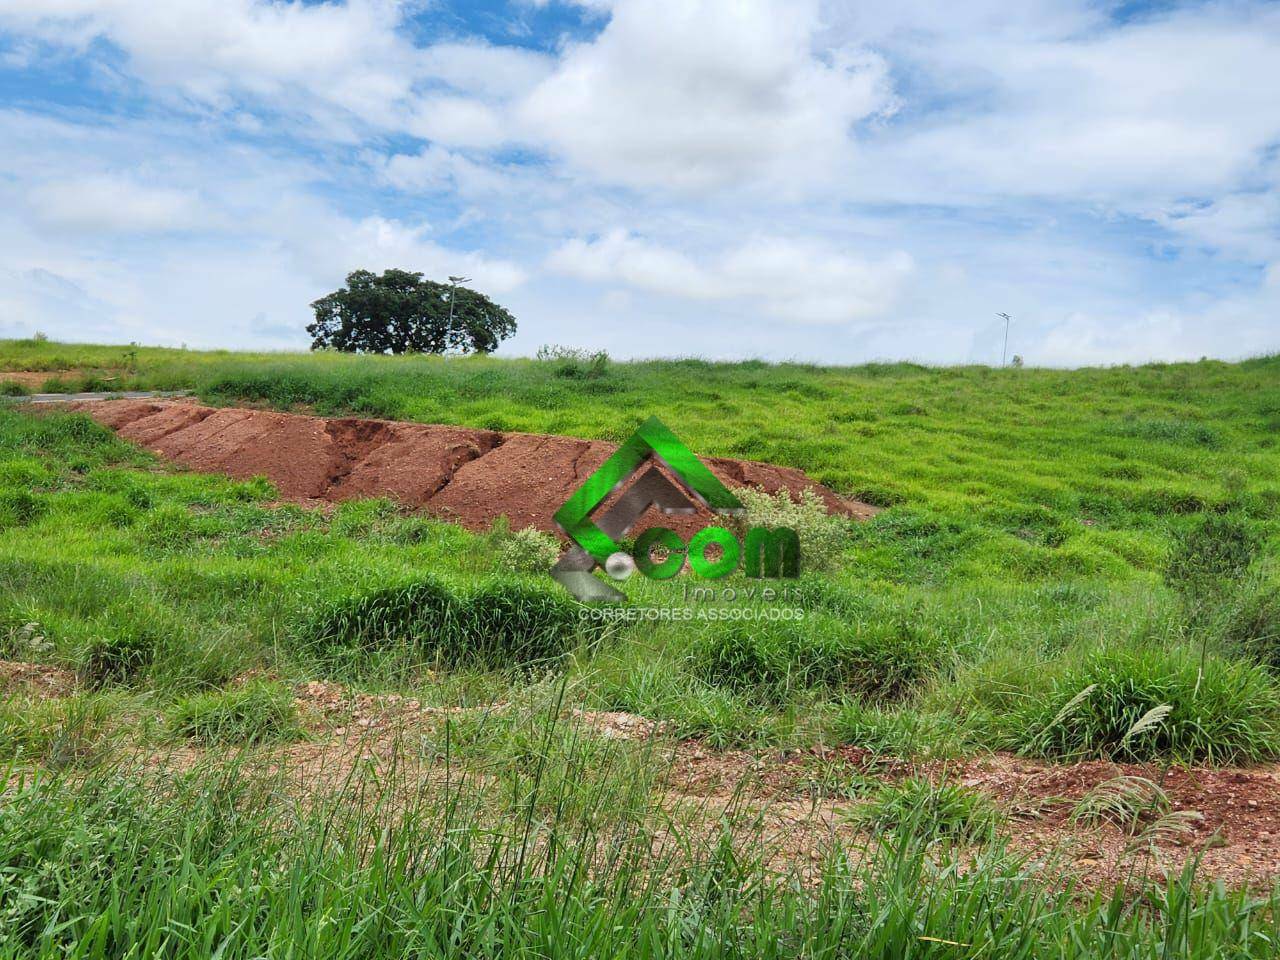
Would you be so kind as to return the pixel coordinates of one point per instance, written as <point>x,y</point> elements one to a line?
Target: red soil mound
<point>471,476</point>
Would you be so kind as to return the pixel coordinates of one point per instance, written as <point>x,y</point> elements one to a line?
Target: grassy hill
<point>1063,554</point>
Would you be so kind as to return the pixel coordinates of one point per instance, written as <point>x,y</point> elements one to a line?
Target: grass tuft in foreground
<point>211,864</point>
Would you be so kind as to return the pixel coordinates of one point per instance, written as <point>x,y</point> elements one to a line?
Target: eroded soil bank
<point>466,475</point>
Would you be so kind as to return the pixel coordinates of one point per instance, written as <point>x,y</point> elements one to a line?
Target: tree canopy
<point>400,312</point>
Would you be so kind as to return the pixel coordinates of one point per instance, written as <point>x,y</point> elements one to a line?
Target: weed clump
<point>574,363</point>
<point>21,509</point>
<point>1153,705</point>
<point>894,731</point>
<point>527,550</point>
<point>116,658</point>
<point>258,712</point>
<point>1215,549</point>
<point>1174,430</point>
<point>824,536</point>
<point>928,812</point>
<point>378,618</point>
<point>59,733</point>
<point>505,620</point>
<point>494,623</point>
<point>1249,620</point>
<point>879,661</point>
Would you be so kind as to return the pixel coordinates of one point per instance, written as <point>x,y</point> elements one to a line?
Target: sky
<point>781,179</point>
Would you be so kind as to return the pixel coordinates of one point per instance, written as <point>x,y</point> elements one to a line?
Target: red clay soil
<point>35,379</point>
<point>1233,830</point>
<point>468,476</point>
<point>35,679</point>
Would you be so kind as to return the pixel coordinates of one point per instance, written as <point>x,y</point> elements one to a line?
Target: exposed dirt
<point>802,799</point>
<point>35,379</point>
<point>34,679</point>
<point>470,476</point>
<point>798,802</point>
<point>1233,815</point>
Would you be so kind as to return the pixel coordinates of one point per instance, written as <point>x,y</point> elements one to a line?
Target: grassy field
<point>1063,556</point>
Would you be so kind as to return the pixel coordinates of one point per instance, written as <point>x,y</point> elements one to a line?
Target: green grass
<point>109,866</point>
<point>930,812</point>
<point>1220,711</point>
<point>257,712</point>
<point>487,623</point>
<point>1045,533</point>
<point>56,733</point>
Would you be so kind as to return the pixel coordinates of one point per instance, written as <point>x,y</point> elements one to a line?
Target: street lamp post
<point>453,293</point>
<point>1005,352</point>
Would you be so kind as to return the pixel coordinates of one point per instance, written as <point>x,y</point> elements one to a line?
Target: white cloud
<point>485,70</point>
<point>687,94</point>
<point>330,246</point>
<point>114,204</point>
<point>341,66</point>
<point>1243,224</point>
<point>879,177</point>
<point>1130,115</point>
<point>799,280</point>
<point>345,54</point>
<point>459,122</point>
<point>88,253</point>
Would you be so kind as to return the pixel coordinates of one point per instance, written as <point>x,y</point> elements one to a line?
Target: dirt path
<point>469,476</point>
<point>798,802</point>
<point>801,801</point>
<point>31,379</point>
<point>44,398</point>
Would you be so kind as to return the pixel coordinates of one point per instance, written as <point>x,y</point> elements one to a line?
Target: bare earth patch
<point>801,801</point>
<point>35,679</point>
<point>465,475</point>
<point>35,379</point>
<point>798,803</point>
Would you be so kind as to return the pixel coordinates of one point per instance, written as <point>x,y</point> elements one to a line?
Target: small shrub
<point>1168,431</point>
<point>917,808</point>
<point>21,508</point>
<point>494,623</point>
<point>1249,620</point>
<point>116,658</point>
<point>878,660</point>
<point>1227,712</point>
<point>1216,548</point>
<point>526,551</point>
<point>257,712</point>
<point>573,363</point>
<point>12,388</point>
<point>59,733</point>
<point>824,537</point>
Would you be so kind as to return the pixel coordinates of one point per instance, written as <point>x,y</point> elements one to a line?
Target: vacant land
<point>1047,668</point>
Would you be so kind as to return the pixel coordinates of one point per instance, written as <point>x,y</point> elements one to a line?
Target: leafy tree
<point>399,312</point>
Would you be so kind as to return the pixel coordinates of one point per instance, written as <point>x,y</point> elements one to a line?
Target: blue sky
<point>725,178</point>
